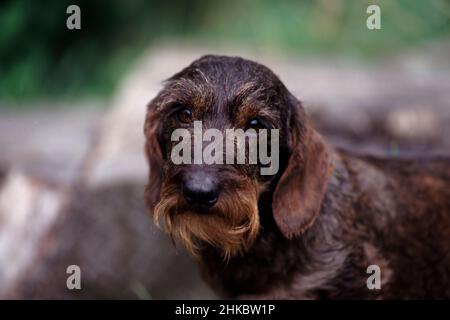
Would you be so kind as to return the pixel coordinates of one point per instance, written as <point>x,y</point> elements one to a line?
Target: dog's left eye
<point>254,123</point>
<point>184,115</point>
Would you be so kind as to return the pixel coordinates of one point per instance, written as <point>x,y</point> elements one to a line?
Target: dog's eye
<point>254,123</point>
<point>184,115</point>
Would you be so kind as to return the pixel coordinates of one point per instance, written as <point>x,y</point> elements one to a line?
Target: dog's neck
<point>307,264</point>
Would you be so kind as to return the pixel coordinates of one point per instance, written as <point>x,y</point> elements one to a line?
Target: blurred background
<point>72,105</point>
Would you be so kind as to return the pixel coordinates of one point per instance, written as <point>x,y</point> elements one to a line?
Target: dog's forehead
<point>228,82</point>
<point>232,72</point>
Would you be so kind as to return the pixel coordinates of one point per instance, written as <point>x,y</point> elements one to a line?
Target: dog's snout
<point>200,190</point>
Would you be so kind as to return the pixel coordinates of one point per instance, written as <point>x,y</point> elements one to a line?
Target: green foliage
<point>41,58</point>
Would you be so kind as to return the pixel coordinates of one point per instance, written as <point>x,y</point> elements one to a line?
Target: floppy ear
<point>154,155</point>
<point>299,193</point>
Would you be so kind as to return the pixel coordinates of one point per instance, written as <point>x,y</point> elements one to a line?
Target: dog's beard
<point>230,226</point>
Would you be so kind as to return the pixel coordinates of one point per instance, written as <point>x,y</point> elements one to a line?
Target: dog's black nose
<point>200,191</point>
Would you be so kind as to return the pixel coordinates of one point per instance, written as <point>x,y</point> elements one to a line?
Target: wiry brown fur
<point>311,230</point>
<point>232,225</point>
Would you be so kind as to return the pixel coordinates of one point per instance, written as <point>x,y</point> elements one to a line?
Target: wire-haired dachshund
<point>312,229</point>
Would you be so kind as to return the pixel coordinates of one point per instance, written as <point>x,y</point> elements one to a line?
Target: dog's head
<point>216,203</point>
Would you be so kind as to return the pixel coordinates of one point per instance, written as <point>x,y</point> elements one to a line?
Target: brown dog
<point>312,229</point>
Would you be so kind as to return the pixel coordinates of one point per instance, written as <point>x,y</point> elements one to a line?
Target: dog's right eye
<point>255,123</point>
<point>184,115</point>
